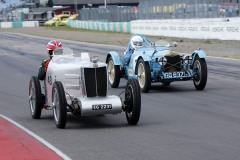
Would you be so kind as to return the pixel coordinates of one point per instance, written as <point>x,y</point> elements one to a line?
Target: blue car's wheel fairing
<point>200,53</point>
<point>199,73</point>
<point>115,57</point>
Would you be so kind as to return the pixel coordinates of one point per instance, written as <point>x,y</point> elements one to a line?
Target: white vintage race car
<point>79,84</point>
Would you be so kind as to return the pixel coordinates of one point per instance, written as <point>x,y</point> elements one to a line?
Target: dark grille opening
<point>173,64</point>
<point>95,81</point>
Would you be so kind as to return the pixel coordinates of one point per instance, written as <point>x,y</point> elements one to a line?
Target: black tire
<point>113,73</point>
<point>200,67</point>
<point>59,105</point>
<point>35,98</point>
<point>145,80</point>
<point>132,101</point>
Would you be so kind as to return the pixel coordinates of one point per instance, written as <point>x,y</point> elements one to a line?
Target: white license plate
<point>101,106</point>
<point>174,74</point>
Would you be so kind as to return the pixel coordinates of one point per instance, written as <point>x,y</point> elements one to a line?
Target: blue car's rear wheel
<point>200,73</point>
<point>144,75</point>
<point>113,73</point>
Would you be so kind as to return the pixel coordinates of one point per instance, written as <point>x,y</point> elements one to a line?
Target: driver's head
<point>136,42</point>
<point>52,45</point>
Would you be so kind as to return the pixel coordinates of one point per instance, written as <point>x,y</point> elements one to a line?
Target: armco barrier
<point>101,26</point>
<point>19,24</point>
<point>214,28</point>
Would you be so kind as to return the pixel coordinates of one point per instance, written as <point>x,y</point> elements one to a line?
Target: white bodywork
<point>67,69</point>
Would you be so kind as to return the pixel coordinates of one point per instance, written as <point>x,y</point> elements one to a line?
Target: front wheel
<point>200,73</point>
<point>113,73</point>
<point>35,98</point>
<point>59,105</point>
<point>144,75</point>
<point>132,101</point>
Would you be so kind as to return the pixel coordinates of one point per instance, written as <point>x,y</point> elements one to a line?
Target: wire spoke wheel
<point>144,75</point>
<point>35,98</point>
<point>197,68</point>
<point>32,98</point>
<point>59,105</point>
<point>56,105</point>
<point>113,73</point>
<point>200,73</point>
<point>141,73</point>
<point>132,101</point>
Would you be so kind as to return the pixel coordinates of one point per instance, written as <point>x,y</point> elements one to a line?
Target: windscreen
<point>162,43</point>
<point>63,51</point>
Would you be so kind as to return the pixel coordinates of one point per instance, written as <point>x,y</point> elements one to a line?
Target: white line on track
<point>65,157</point>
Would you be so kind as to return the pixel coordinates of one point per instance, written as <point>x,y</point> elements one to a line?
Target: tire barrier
<point>19,24</point>
<point>101,26</point>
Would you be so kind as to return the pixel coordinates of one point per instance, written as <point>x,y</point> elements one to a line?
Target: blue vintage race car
<point>157,62</point>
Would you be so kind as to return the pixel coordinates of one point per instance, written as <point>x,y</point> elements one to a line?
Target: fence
<point>185,9</point>
<point>110,14</point>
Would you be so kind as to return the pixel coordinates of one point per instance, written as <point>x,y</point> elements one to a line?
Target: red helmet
<point>52,45</point>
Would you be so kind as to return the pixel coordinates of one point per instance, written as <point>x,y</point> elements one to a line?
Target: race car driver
<point>136,42</point>
<point>51,46</point>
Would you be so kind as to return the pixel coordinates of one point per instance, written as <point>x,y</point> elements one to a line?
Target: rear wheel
<point>35,98</point>
<point>200,73</point>
<point>59,105</point>
<point>132,101</point>
<point>144,75</point>
<point>113,73</point>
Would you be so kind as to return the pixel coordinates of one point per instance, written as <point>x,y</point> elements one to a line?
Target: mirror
<point>175,44</point>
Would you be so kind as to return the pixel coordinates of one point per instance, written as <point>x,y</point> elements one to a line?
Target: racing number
<point>50,80</point>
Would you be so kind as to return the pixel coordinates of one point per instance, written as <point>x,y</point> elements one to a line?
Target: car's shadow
<point>91,122</point>
<point>159,88</point>
<point>183,86</point>
<point>171,89</point>
<point>96,122</point>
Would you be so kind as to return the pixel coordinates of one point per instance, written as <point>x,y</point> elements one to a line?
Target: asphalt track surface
<point>176,123</point>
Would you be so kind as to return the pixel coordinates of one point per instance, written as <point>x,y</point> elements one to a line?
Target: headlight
<point>163,61</point>
<point>187,59</point>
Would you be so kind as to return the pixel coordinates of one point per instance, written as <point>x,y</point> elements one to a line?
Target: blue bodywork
<point>151,55</point>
